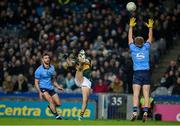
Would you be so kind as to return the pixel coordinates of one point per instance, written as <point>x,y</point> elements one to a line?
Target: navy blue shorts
<point>142,77</point>
<point>51,92</point>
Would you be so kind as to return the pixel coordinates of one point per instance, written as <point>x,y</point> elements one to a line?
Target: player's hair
<point>139,41</point>
<point>45,54</point>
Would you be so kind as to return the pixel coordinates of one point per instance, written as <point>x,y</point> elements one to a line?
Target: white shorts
<point>86,83</point>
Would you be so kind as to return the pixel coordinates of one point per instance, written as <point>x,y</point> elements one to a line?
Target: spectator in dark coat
<point>21,84</point>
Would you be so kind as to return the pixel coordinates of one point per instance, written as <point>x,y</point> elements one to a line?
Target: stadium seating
<point>27,28</point>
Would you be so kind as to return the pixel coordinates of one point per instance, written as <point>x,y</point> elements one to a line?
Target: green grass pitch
<point>51,122</point>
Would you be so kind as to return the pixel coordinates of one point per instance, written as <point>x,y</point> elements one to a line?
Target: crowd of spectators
<point>170,82</point>
<point>30,27</point>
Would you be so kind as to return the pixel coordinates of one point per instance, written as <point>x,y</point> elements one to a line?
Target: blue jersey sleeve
<point>132,46</point>
<point>37,74</point>
<point>147,45</point>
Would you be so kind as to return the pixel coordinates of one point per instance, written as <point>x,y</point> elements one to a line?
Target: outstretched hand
<point>150,23</point>
<point>132,22</point>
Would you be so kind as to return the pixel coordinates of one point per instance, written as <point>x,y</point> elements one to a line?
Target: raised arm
<point>150,26</point>
<point>130,33</point>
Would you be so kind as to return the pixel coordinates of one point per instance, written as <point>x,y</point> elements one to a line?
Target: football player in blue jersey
<point>45,82</point>
<point>140,51</point>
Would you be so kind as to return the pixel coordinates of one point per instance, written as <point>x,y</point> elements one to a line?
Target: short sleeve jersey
<point>140,56</point>
<point>45,76</point>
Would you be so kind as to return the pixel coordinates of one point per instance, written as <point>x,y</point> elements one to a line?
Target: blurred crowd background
<point>30,27</point>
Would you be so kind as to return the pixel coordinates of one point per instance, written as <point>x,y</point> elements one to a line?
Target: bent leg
<point>51,102</point>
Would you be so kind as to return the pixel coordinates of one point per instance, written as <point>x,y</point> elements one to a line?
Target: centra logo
<point>19,111</point>
<point>69,112</point>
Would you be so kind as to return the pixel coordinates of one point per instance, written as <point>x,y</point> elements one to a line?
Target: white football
<point>131,6</point>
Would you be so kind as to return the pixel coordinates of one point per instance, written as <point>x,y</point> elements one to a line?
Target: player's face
<point>46,60</point>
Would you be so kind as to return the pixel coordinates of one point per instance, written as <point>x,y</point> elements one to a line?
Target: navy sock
<point>135,109</point>
<point>81,114</point>
<point>145,109</point>
<point>54,113</point>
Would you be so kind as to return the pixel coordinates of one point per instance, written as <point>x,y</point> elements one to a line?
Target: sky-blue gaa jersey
<point>140,56</point>
<point>45,76</point>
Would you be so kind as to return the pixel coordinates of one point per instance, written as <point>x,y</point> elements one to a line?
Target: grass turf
<point>25,121</point>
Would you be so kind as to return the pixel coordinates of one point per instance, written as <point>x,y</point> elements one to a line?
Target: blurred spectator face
<point>18,63</point>
<point>98,73</point>
<point>178,80</point>
<point>100,82</point>
<point>69,76</point>
<point>162,17</point>
<point>7,84</point>
<point>5,66</point>
<point>31,71</point>
<point>99,38</point>
<point>116,64</point>
<point>94,53</point>
<point>57,37</point>
<point>172,63</point>
<point>166,75</point>
<point>11,51</point>
<point>106,64</point>
<point>9,78</point>
<point>178,69</point>
<point>27,53</point>
<point>20,78</point>
<point>13,60</point>
<point>94,74</point>
<point>6,74</point>
<point>23,59</point>
<point>171,73</point>
<point>116,80</point>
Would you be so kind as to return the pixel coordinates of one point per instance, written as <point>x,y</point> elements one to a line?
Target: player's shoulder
<point>147,44</point>
<point>39,68</point>
<point>52,67</point>
<point>132,45</point>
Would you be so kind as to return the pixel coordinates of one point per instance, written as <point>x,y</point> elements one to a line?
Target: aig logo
<point>140,56</point>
